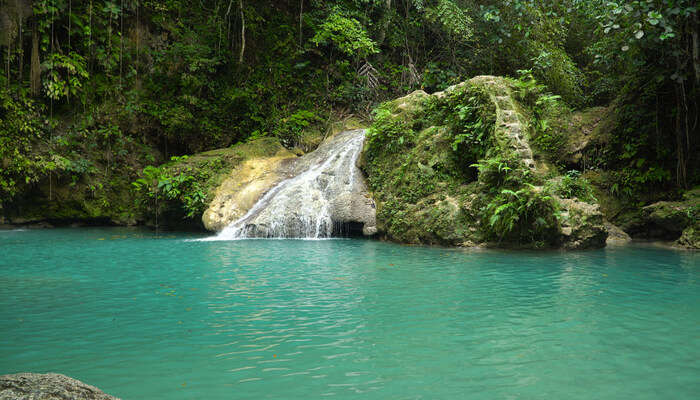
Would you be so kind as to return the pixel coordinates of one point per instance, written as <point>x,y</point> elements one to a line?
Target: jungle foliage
<point>92,90</point>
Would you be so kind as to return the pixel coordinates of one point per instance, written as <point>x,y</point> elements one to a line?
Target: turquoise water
<point>145,317</point>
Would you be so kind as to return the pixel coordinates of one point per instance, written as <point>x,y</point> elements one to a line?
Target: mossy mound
<point>675,219</point>
<point>456,168</point>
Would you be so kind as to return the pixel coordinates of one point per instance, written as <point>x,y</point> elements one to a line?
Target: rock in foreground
<point>30,386</point>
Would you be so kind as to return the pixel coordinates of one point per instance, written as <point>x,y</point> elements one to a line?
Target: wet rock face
<point>690,238</point>
<point>29,386</point>
<point>245,186</point>
<point>616,235</point>
<point>583,226</point>
<point>317,195</point>
<point>668,220</point>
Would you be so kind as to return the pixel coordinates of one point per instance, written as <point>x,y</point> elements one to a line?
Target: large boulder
<point>287,195</point>
<point>30,386</point>
<point>616,235</point>
<point>583,226</point>
<point>420,160</point>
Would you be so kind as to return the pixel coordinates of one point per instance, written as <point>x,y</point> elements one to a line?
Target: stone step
<point>504,102</point>
<point>509,116</point>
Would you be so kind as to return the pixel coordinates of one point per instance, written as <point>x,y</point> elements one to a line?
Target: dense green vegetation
<point>446,169</point>
<point>97,94</point>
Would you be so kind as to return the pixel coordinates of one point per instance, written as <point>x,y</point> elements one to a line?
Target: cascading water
<point>314,203</point>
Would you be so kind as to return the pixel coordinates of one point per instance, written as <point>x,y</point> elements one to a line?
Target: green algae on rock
<point>456,168</point>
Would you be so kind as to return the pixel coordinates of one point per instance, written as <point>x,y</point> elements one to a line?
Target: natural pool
<point>146,317</point>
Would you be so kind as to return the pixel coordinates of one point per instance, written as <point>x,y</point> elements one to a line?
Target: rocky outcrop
<point>243,188</point>
<point>666,219</point>
<point>320,194</point>
<point>675,219</point>
<point>616,235</point>
<point>420,163</point>
<point>29,386</point>
<point>509,129</point>
<point>582,225</point>
<point>690,238</point>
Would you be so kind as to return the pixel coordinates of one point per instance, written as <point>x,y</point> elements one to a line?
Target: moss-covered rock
<point>675,219</point>
<point>456,168</point>
<point>582,224</point>
<point>690,238</point>
<point>417,173</point>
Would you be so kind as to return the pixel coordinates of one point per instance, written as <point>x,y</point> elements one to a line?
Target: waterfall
<point>315,202</point>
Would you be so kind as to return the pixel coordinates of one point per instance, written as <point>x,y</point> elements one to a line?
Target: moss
<point>573,139</point>
<point>187,184</point>
<point>421,160</point>
<point>690,238</point>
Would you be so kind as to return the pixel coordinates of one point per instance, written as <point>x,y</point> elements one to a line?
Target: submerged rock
<point>30,386</point>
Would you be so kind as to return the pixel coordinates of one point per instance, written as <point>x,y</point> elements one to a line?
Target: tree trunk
<point>385,22</point>
<point>681,180</point>
<point>301,15</point>
<point>35,71</point>
<point>21,51</point>
<point>696,48</point>
<point>7,67</point>
<point>240,55</point>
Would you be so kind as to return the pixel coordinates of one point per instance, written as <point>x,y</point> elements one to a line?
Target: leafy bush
<point>470,116</point>
<point>501,171</point>
<point>573,185</point>
<point>347,34</point>
<point>20,128</point>
<point>387,131</point>
<point>526,215</point>
<point>290,129</point>
<point>546,109</point>
<point>178,189</point>
<point>513,209</point>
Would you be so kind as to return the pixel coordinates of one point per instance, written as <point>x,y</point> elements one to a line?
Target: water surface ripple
<point>145,317</point>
